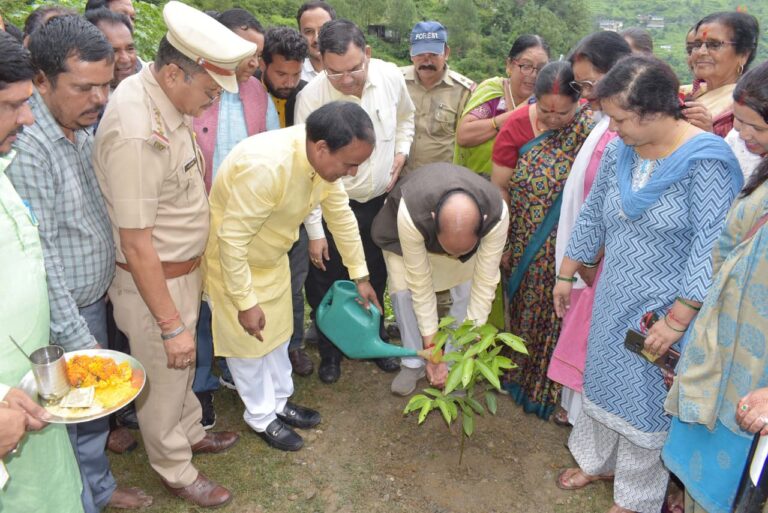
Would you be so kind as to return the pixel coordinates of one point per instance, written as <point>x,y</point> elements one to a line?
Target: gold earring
<point>741,69</point>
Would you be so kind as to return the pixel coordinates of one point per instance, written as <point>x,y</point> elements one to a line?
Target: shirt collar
<point>48,125</point>
<point>307,66</point>
<point>170,114</point>
<point>5,160</point>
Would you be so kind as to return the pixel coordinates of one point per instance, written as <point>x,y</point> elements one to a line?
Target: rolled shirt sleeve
<point>487,275</point>
<point>418,272</point>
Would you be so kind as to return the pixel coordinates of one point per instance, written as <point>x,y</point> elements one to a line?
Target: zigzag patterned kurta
<point>648,262</point>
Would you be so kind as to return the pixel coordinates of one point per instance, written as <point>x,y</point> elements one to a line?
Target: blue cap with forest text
<point>428,37</point>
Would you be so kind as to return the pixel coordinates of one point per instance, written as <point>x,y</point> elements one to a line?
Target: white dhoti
<point>264,385</point>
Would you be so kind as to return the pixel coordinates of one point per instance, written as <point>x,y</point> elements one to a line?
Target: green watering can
<point>353,328</point>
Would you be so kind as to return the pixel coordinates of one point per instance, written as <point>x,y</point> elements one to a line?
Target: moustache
<point>428,66</point>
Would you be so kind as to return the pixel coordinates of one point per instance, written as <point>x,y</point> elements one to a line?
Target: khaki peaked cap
<point>207,42</point>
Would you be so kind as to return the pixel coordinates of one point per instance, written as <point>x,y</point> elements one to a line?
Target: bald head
<point>458,221</point>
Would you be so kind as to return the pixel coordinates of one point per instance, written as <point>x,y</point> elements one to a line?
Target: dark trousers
<point>298,259</point>
<point>318,281</point>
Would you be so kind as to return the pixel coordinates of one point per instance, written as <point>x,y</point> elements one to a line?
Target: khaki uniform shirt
<point>151,171</point>
<point>263,190</point>
<point>437,114</point>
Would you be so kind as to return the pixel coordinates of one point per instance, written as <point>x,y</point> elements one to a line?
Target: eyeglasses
<point>527,69</point>
<point>357,73</point>
<point>214,95</point>
<point>708,45</point>
<point>581,86</point>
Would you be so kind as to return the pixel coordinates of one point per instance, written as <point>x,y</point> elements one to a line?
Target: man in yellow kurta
<point>263,191</point>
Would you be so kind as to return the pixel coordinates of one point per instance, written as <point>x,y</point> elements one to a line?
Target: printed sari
<point>542,168</point>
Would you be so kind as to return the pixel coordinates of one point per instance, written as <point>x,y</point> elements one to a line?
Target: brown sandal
<point>560,417</point>
<point>566,479</point>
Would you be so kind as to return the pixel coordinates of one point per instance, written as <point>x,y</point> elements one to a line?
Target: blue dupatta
<point>540,235</point>
<point>672,169</point>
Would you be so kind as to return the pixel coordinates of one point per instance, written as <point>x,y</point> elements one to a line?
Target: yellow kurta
<point>263,191</point>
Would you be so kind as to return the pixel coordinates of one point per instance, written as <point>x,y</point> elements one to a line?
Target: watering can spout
<point>353,328</point>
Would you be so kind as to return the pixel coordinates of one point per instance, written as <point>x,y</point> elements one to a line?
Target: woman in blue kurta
<point>657,207</point>
<point>720,397</point>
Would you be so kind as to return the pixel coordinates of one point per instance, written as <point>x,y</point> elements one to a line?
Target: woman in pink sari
<point>592,58</point>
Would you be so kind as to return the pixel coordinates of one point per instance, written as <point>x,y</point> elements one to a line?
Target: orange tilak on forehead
<point>704,34</point>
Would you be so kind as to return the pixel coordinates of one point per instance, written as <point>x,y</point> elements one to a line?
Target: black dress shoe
<point>282,437</point>
<point>299,416</point>
<point>388,364</point>
<point>330,370</point>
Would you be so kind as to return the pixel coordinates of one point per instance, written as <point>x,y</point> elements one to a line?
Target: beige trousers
<point>168,411</point>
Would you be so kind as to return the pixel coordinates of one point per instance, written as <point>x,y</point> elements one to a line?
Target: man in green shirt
<point>41,474</point>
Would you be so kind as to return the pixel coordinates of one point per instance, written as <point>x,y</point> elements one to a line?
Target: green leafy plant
<point>477,365</point>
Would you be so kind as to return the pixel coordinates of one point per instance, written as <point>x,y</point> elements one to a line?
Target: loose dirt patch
<point>367,457</point>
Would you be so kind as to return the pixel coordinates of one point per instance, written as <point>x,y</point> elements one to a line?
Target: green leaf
<point>465,339</point>
<point>446,321</point>
<point>433,392</point>
<point>468,423</point>
<point>451,403</point>
<point>440,339</point>
<point>486,342</point>
<point>475,405</point>
<point>489,375</point>
<point>416,402</point>
<point>444,410</point>
<point>454,378</point>
<point>513,341</point>
<point>490,401</point>
<point>428,406</point>
<point>466,373</point>
<point>453,357</point>
<point>487,329</point>
<point>502,362</point>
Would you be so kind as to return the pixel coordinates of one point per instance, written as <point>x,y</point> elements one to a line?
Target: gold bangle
<point>493,123</point>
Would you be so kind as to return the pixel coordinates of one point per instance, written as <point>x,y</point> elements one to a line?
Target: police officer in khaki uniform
<point>151,173</point>
<point>438,92</point>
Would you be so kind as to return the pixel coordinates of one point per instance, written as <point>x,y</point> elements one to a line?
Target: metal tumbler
<point>50,370</point>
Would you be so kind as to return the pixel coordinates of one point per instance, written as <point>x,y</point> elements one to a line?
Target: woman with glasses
<point>494,100</point>
<point>719,398</point>
<point>532,158</point>
<point>655,210</point>
<point>722,49</point>
<point>592,58</point>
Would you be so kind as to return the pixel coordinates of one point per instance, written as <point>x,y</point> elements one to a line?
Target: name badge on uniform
<point>189,165</point>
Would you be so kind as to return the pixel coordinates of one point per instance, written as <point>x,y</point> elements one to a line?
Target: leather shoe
<point>215,442</point>
<point>299,416</point>
<point>203,492</point>
<point>300,362</point>
<point>388,364</point>
<point>120,441</point>
<point>330,370</point>
<point>282,437</point>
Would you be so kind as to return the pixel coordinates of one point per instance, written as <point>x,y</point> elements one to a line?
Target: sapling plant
<point>476,366</point>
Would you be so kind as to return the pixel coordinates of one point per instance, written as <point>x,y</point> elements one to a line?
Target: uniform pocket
<point>443,120</point>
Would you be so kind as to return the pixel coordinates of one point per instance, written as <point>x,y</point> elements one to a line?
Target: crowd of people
<point>182,209</point>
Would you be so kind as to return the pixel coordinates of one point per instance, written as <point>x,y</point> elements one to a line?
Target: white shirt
<point>747,160</point>
<point>386,100</point>
<point>308,71</point>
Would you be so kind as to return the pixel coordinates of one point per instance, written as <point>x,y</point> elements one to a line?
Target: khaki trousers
<point>168,411</point>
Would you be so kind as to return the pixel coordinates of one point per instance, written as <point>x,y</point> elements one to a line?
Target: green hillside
<point>480,31</point>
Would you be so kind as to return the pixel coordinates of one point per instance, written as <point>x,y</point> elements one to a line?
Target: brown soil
<point>367,457</point>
